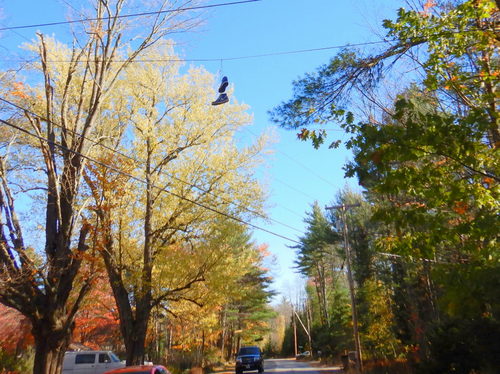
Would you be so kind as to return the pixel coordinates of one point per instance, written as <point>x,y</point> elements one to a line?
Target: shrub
<point>17,364</point>
<point>464,346</point>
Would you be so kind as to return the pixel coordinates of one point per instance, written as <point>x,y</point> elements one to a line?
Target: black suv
<point>249,358</point>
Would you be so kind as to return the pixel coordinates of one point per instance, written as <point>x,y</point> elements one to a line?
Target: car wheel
<point>261,369</point>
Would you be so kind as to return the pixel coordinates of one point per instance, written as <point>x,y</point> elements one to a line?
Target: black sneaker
<point>221,99</point>
<point>223,84</point>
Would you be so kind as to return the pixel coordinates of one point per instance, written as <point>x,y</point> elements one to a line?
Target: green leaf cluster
<point>429,164</point>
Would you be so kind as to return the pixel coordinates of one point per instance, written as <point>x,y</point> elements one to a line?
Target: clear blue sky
<point>296,174</point>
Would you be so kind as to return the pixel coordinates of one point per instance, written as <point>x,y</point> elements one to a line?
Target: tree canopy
<point>428,163</point>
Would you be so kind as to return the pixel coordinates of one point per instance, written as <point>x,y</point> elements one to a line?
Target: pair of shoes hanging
<point>223,96</point>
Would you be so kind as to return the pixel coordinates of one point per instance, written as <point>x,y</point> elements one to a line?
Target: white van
<point>90,362</point>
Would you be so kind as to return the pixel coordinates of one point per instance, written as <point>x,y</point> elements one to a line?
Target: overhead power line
<point>234,58</point>
<point>260,55</point>
<point>168,174</point>
<point>127,15</point>
<point>299,163</point>
<point>307,50</point>
<point>141,161</point>
<point>162,189</point>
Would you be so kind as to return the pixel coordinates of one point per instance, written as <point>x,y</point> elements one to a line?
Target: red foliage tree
<point>15,331</point>
<point>97,322</point>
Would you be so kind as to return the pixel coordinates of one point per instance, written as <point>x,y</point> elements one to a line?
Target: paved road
<point>293,366</point>
<point>287,365</point>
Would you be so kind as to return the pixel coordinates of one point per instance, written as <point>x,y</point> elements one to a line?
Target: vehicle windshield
<point>249,351</point>
<point>113,357</point>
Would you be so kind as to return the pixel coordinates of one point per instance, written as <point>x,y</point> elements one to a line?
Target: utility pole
<point>342,209</point>
<point>294,331</point>
<point>307,331</point>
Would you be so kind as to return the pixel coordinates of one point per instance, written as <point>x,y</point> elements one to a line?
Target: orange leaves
<point>19,90</point>
<point>441,162</point>
<point>488,182</point>
<point>97,321</point>
<point>102,179</point>
<point>264,251</point>
<point>389,239</point>
<point>464,211</point>
<point>88,257</point>
<point>460,207</point>
<point>303,134</point>
<point>428,5</point>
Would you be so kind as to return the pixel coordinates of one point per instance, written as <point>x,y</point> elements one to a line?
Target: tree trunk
<point>134,346</point>
<point>135,337</point>
<point>133,326</point>
<point>223,334</point>
<point>134,318</point>
<point>51,342</point>
<point>230,346</point>
<point>202,350</point>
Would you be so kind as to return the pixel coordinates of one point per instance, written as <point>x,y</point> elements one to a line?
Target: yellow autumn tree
<point>54,112</point>
<point>208,331</point>
<point>188,172</point>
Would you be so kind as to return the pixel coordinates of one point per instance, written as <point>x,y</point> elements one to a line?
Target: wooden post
<point>357,343</point>
<point>294,331</point>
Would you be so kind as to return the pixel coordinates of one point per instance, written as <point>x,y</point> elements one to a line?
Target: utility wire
<point>143,162</point>
<point>302,50</point>
<point>246,57</point>
<point>246,129</point>
<point>270,54</point>
<point>162,189</point>
<point>293,188</point>
<point>127,15</point>
<point>181,60</point>
<point>298,163</point>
